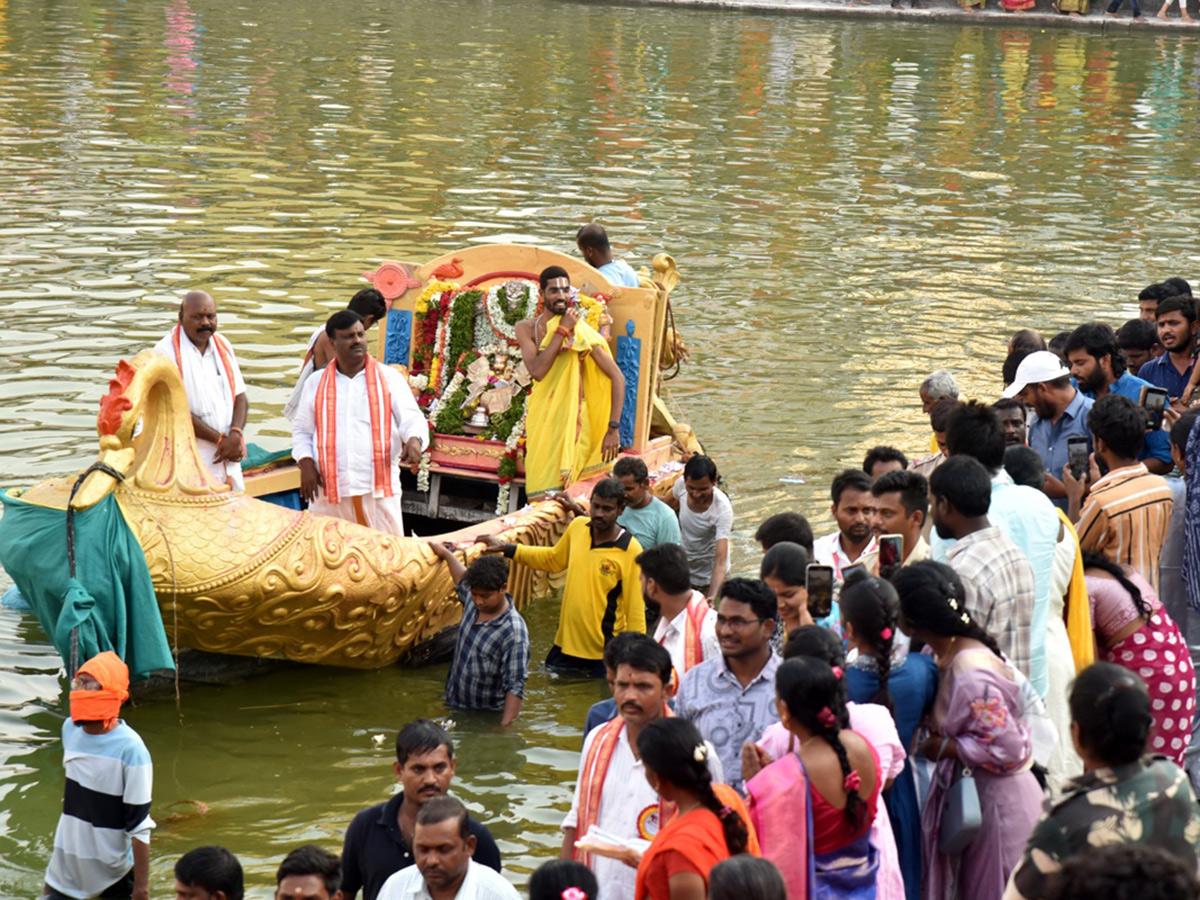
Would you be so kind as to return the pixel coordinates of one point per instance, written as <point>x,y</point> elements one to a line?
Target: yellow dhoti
<point>568,413</point>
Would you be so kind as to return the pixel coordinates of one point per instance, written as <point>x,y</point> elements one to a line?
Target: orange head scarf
<point>103,705</point>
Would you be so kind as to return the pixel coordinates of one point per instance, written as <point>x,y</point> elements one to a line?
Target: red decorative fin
<point>115,404</point>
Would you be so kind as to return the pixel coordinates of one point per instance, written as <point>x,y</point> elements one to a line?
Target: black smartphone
<point>1077,456</point>
<point>818,581</point>
<point>1154,401</point>
<point>891,555</point>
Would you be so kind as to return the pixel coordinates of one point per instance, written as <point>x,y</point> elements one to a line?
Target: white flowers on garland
<point>423,471</point>
<point>510,452</point>
<point>503,312</point>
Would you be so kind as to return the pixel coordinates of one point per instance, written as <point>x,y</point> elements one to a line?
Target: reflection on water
<point>851,205</point>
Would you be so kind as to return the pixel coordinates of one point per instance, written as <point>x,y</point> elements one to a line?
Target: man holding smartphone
<point>1060,412</point>
<point>901,507</point>
<point>1099,369</point>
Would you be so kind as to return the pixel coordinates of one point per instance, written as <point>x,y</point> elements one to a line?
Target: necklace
<point>942,661</point>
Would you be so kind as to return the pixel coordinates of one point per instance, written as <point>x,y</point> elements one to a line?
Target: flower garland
<point>507,470</point>
<point>427,317</point>
<point>595,310</point>
<point>501,316</point>
<point>461,324</point>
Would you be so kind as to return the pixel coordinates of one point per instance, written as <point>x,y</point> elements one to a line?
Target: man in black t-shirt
<point>379,840</point>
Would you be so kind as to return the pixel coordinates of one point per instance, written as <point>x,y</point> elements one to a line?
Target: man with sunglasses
<point>731,698</point>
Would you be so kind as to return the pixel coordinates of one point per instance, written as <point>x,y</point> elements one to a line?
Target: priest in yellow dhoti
<point>574,409</point>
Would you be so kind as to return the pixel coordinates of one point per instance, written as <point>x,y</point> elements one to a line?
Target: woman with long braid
<point>1134,632</point>
<point>904,683</point>
<point>710,822</point>
<point>976,724</point>
<point>839,780</point>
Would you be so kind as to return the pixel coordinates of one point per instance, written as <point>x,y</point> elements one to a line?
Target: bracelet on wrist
<point>562,332</point>
<point>235,430</point>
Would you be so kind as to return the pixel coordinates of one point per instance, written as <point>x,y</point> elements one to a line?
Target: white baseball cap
<point>1039,366</point>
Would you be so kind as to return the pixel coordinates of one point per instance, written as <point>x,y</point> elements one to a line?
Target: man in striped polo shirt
<point>1126,513</point>
<point>102,845</point>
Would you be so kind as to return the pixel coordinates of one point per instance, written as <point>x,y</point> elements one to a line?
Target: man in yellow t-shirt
<point>574,411</point>
<point>602,595</point>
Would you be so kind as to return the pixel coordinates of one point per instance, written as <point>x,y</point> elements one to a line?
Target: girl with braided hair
<point>904,683</point>
<point>710,824</point>
<point>870,720</point>
<point>978,724</point>
<point>1134,631</point>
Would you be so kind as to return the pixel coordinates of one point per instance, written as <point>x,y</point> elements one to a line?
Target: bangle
<point>234,429</point>
<point>562,331</point>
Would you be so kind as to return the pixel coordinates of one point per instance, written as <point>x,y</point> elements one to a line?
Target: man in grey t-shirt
<point>705,523</point>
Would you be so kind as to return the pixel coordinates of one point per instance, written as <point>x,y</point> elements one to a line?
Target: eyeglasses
<point>738,621</point>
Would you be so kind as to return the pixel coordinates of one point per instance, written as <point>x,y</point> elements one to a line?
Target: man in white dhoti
<point>215,390</point>
<point>369,304</point>
<point>353,420</point>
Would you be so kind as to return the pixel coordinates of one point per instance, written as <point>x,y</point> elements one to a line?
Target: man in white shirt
<point>443,844</point>
<point>215,390</point>
<point>612,793</point>
<point>353,420</point>
<point>854,510</point>
<point>687,625</point>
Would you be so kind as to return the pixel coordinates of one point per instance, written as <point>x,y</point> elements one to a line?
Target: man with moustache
<point>1012,420</point>
<point>379,840</point>
<point>612,793</point>
<point>1099,369</point>
<point>1060,413</point>
<point>1176,321</point>
<point>574,407</point>
<point>213,382</point>
<point>901,505</point>
<point>731,699</point>
<point>854,511</point>
<point>602,594</point>
<point>445,870</point>
<point>353,420</point>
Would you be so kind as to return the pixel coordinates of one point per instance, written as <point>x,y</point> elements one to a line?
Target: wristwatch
<point>614,424</point>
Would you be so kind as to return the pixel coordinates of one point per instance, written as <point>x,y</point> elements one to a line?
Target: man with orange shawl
<point>353,421</point>
<point>102,845</point>
<point>574,411</point>
<point>213,382</point>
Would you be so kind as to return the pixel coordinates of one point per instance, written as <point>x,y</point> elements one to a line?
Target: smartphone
<point>1154,401</point>
<point>818,581</point>
<point>1077,456</point>
<point>853,572</point>
<point>891,555</point>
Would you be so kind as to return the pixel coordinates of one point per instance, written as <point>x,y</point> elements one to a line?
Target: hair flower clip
<point>700,754</point>
<point>837,672</point>
<point>953,603</point>
<point>573,893</point>
<point>965,618</point>
<point>826,717</point>
<point>886,634</point>
<point>724,812</point>
<point>853,782</point>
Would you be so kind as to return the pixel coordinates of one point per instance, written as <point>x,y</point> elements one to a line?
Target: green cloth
<point>258,456</point>
<point>111,599</point>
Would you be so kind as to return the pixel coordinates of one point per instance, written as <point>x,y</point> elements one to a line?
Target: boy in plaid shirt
<point>491,654</point>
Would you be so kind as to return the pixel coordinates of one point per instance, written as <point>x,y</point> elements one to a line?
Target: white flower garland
<point>496,311</point>
<point>510,446</point>
<point>423,471</point>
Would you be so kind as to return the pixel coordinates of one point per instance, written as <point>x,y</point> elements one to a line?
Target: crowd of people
<point>1001,711</point>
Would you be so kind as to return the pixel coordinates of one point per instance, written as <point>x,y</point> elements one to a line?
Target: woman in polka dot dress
<point>1135,632</point>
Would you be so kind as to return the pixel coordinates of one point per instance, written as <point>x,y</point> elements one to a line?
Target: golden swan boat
<point>233,574</point>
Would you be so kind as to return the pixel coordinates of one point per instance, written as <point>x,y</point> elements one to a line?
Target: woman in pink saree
<point>976,725</point>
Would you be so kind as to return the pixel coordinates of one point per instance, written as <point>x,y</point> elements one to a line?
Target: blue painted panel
<point>399,334</point>
<point>629,361</point>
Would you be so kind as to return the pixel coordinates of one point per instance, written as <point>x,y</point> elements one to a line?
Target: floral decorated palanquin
<point>452,323</point>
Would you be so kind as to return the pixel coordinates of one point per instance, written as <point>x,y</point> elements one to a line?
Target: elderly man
<point>352,422</point>
<point>578,393</point>
<point>213,382</point>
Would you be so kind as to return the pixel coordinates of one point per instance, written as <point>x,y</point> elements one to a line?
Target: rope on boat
<point>73,662</point>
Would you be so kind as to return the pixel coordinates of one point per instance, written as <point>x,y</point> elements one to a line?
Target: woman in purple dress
<point>976,725</point>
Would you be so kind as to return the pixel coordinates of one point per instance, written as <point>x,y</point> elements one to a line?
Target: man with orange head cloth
<point>102,845</point>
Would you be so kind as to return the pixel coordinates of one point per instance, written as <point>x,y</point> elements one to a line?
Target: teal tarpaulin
<point>259,456</point>
<point>111,598</point>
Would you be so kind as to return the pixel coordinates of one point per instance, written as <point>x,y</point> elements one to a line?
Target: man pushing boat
<point>352,421</point>
<point>578,392</point>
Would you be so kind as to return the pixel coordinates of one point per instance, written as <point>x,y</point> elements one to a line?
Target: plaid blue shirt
<point>491,659</point>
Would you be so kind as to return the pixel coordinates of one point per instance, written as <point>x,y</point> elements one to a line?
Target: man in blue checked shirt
<point>491,655</point>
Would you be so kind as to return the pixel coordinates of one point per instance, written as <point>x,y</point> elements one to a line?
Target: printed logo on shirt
<point>647,822</point>
<point>608,568</point>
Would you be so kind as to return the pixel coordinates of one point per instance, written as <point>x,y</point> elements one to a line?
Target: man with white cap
<point>1060,413</point>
